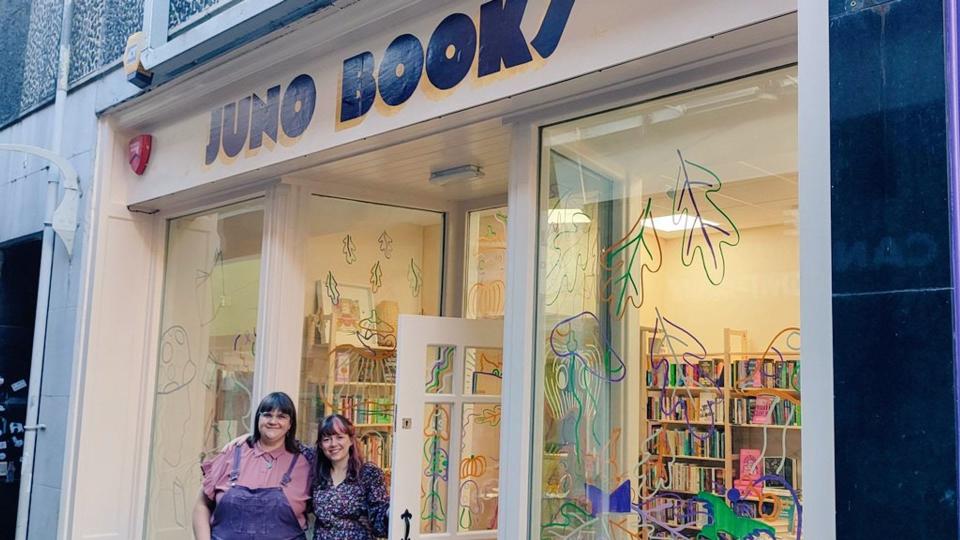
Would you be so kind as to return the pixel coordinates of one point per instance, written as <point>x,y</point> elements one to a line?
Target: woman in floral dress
<point>349,495</point>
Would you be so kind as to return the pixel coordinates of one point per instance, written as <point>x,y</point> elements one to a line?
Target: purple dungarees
<point>255,514</point>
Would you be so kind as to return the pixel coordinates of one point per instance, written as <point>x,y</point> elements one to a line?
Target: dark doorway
<point>19,272</point>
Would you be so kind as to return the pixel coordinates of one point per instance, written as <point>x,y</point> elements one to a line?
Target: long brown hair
<point>330,426</point>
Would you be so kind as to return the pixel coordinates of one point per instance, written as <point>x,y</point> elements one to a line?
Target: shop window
<point>670,360</point>
<point>366,265</point>
<point>206,355</point>
<point>486,264</point>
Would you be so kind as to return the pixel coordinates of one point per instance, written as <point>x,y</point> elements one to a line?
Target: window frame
<point>522,439</point>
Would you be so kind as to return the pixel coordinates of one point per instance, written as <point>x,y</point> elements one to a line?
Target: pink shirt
<point>259,469</point>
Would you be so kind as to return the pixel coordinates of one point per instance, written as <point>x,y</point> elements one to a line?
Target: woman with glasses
<point>260,488</point>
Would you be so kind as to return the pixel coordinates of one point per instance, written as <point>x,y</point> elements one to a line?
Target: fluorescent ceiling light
<point>463,173</point>
<point>677,222</point>
<point>567,216</point>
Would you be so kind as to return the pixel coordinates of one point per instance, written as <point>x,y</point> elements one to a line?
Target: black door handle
<point>406,516</point>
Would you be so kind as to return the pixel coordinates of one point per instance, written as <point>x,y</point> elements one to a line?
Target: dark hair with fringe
<point>329,426</point>
<point>277,401</point>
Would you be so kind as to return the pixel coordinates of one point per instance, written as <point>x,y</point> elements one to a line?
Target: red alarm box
<point>139,152</point>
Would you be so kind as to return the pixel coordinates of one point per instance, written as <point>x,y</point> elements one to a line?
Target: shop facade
<point>606,205</point>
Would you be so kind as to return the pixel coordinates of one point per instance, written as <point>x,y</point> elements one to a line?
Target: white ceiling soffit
<point>405,168</point>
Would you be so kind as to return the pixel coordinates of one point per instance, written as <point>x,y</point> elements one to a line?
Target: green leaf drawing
<point>705,236</point>
<point>627,259</point>
<point>569,519</point>
<point>386,244</point>
<point>415,278</point>
<point>349,250</point>
<point>376,277</point>
<point>333,290</point>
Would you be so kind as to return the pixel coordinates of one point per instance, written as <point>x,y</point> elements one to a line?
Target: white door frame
<point>415,334</point>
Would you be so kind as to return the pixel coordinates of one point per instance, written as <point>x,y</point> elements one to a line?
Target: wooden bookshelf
<point>735,436</point>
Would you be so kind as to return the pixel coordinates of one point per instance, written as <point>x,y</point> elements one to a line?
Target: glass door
<point>447,429</point>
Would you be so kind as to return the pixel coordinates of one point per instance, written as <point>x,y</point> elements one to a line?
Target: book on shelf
<point>782,467</point>
<point>767,373</point>
<point>688,478</point>
<point>375,447</point>
<point>695,443</point>
<point>744,411</point>
<point>762,412</point>
<point>687,514</point>
<point>682,373</point>
<point>751,467</point>
<point>706,408</point>
<point>390,370</point>
<point>365,410</point>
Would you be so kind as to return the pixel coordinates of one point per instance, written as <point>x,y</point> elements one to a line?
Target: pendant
<point>269,465</point>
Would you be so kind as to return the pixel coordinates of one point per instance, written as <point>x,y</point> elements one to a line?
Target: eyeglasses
<point>279,417</point>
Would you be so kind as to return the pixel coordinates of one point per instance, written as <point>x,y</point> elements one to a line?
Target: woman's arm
<point>377,500</point>
<point>201,517</point>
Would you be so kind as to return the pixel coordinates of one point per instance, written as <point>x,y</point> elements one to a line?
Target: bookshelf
<point>701,416</point>
<point>357,381</point>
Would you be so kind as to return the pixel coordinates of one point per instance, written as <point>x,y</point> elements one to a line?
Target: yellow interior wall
<point>237,282</point>
<point>760,292</point>
<point>431,257</point>
<point>325,254</point>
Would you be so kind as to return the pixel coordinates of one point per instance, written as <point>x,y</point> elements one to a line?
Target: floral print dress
<point>353,510</point>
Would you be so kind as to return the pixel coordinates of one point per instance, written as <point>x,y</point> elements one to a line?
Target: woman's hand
<point>236,442</point>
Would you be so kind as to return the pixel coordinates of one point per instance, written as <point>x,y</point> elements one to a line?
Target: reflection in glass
<point>206,354</point>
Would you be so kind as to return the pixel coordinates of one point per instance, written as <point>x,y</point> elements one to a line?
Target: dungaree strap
<point>286,477</point>
<point>235,472</point>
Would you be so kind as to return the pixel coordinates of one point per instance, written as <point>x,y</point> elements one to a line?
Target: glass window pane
<point>483,371</point>
<point>206,354</point>
<point>670,360</point>
<point>435,466</point>
<point>366,265</point>
<point>486,264</point>
<point>479,467</point>
<point>438,378</point>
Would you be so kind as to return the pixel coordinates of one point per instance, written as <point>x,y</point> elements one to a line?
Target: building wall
<point>896,431</point>
<point>23,181</point>
<point>28,55</point>
<point>22,201</point>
